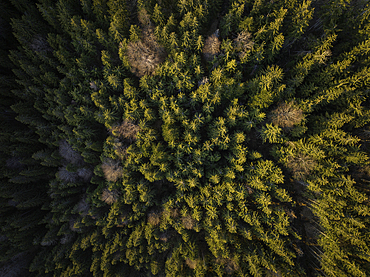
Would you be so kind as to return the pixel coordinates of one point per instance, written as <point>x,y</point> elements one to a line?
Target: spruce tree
<point>185,138</point>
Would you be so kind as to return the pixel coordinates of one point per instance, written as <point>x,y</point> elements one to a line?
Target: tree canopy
<point>185,138</point>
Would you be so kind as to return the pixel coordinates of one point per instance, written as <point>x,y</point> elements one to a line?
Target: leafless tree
<point>243,43</point>
<point>110,196</point>
<point>191,263</point>
<point>211,47</point>
<point>188,222</point>
<point>126,130</point>
<point>112,170</point>
<point>85,174</point>
<point>146,54</point>
<point>301,165</point>
<point>40,44</point>
<point>67,152</point>
<point>286,115</point>
<point>154,217</point>
<point>67,176</point>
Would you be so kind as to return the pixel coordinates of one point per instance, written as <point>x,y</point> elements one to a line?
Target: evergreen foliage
<point>185,138</point>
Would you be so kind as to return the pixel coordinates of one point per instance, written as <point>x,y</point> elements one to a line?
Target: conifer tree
<point>184,138</point>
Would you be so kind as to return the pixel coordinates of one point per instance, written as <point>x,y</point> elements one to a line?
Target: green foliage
<point>185,138</point>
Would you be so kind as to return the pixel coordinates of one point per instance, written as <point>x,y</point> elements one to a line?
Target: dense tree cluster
<point>185,138</point>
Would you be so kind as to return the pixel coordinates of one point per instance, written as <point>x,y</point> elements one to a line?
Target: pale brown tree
<point>243,43</point>
<point>301,165</point>
<point>211,47</point>
<point>146,54</point>
<point>286,115</point>
<point>112,170</point>
<point>154,217</point>
<point>110,196</point>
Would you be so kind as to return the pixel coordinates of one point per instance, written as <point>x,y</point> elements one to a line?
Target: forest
<point>180,138</point>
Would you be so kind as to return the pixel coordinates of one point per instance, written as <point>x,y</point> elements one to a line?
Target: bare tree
<point>110,196</point>
<point>40,44</point>
<point>286,115</point>
<point>243,43</point>
<point>211,47</point>
<point>188,222</point>
<point>67,152</point>
<point>85,174</point>
<point>126,130</point>
<point>144,57</point>
<point>112,170</point>
<point>146,54</point>
<point>154,217</point>
<point>301,165</point>
<point>67,176</point>
<point>191,263</point>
